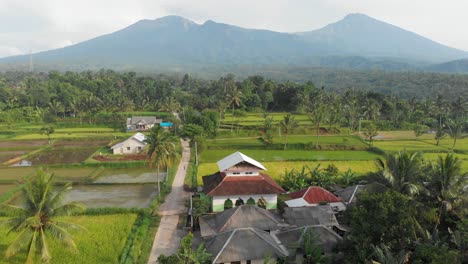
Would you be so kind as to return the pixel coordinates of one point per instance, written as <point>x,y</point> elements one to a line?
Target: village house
<point>240,181</point>
<point>133,145</point>
<point>243,234</point>
<point>142,123</point>
<point>245,246</point>
<point>314,196</point>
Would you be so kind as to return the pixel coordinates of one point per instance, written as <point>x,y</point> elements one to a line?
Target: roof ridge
<point>217,185</point>
<point>276,246</point>
<point>235,212</point>
<point>225,245</point>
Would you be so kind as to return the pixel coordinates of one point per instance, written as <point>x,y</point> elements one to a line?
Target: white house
<point>133,145</point>
<point>314,196</point>
<point>239,181</point>
<point>142,123</point>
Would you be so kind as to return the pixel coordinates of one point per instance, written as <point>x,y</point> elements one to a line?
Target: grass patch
<point>209,156</point>
<point>101,243</point>
<point>276,169</point>
<point>15,173</point>
<point>409,145</point>
<point>401,134</point>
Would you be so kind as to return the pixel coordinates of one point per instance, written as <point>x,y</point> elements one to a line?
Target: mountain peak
<point>357,16</point>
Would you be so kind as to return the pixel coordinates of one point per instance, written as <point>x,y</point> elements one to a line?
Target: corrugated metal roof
<point>236,158</point>
<point>139,136</point>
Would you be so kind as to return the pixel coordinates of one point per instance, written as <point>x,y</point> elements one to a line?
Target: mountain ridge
<point>357,41</point>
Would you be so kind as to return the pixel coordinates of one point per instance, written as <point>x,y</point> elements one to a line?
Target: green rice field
<point>101,242</point>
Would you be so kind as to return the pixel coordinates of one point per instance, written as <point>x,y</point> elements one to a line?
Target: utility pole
<point>31,65</point>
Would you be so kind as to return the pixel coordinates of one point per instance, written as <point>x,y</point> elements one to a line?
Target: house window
<point>262,203</point>
<point>239,202</point>
<point>249,262</point>
<point>128,148</point>
<point>236,173</point>
<point>249,172</point>
<point>228,204</point>
<point>139,148</point>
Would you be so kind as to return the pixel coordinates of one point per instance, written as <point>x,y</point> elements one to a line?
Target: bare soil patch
<point>22,143</point>
<point>81,143</point>
<point>120,158</point>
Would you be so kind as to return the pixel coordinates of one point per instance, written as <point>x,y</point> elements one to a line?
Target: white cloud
<point>10,51</point>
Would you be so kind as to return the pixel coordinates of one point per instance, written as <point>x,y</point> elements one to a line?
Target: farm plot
<point>102,242</point>
<point>291,155</point>
<point>409,145</point>
<point>137,175</point>
<point>6,187</point>
<point>462,143</point>
<point>401,135</point>
<point>80,143</point>
<point>11,154</point>
<point>22,144</point>
<point>61,156</point>
<point>277,169</point>
<point>15,173</point>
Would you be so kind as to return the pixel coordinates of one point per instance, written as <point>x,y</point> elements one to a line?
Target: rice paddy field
<point>101,242</point>
<point>355,156</point>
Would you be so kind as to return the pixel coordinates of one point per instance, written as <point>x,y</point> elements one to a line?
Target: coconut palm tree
<point>447,182</point>
<point>383,255</point>
<point>161,150</point>
<point>401,172</point>
<point>456,127</point>
<point>35,221</point>
<point>289,124</point>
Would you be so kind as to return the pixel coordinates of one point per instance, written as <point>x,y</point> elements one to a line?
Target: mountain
<point>359,34</point>
<point>174,43</point>
<point>456,66</point>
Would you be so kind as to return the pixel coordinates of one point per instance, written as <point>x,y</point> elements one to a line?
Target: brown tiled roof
<point>315,195</point>
<point>219,184</point>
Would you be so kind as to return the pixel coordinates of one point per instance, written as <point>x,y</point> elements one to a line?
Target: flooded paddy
<point>127,196</point>
<point>62,156</point>
<point>129,176</point>
<point>97,196</point>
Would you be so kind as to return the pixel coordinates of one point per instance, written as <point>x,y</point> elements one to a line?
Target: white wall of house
<point>218,201</point>
<point>130,146</point>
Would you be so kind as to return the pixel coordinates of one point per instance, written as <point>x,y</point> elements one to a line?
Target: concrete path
<point>167,239</point>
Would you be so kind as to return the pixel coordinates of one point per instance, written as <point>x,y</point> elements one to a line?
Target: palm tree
<point>385,256</point>
<point>35,220</point>
<point>455,127</point>
<point>447,182</point>
<point>317,116</point>
<point>161,151</point>
<point>401,172</point>
<point>288,125</point>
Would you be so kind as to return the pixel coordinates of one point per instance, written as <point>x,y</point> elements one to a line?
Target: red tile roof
<point>315,195</point>
<point>219,185</point>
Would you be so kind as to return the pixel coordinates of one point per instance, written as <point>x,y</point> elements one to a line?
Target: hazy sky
<point>37,25</point>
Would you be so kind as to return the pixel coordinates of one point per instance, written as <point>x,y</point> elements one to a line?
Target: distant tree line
<point>37,97</point>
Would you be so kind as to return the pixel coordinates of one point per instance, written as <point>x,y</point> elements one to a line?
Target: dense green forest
<point>47,96</point>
